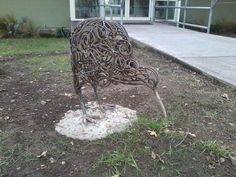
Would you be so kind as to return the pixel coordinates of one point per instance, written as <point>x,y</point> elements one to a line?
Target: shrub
<point>11,27</point>
<point>62,32</point>
<point>27,28</point>
<point>8,26</point>
<point>223,27</point>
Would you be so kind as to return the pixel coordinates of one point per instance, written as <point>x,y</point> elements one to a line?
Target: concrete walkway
<point>213,55</point>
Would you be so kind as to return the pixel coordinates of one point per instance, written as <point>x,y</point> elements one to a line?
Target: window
<point>87,8</point>
<point>172,13</point>
<point>139,8</point>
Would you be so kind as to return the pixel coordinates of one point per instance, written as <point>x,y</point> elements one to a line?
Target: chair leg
<point>87,119</point>
<point>81,101</point>
<point>160,102</point>
<point>96,95</point>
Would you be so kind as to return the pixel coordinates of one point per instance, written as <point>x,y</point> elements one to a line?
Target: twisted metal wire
<point>101,54</point>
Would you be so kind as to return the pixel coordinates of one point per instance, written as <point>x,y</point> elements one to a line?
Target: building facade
<point>59,13</point>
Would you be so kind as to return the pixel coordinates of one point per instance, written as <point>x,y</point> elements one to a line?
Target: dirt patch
<point>2,72</point>
<point>193,102</point>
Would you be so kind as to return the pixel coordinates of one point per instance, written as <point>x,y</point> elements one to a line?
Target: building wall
<point>56,13</point>
<point>222,13</point>
<point>52,13</point>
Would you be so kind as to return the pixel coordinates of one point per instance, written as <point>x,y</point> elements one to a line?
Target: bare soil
<point>193,102</point>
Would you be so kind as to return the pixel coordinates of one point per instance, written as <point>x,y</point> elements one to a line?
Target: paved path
<point>213,55</point>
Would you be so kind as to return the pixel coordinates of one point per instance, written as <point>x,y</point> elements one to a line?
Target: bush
<point>223,27</point>
<point>62,32</point>
<point>8,26</point>
<point>11,27</point>
<point>27,28</point>
<point>217,29</point>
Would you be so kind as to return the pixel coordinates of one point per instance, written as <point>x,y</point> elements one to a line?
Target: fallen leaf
<point>43,166</point>
<point>226,96</point>
<point>164,87</point>
<point>68,94</point>
<point>7,118</point>
<point>132,96</point>
<point>167,131</point>
<point>43,154</point>
<point>43,102</point>
<point>211,166</point>
<point>181,132</point>
<point>153,155</point>
<point>52,160</point>
<point>152,133</point>
<point>160,159</point>
<point>192,135</point>
<point>222,160</point>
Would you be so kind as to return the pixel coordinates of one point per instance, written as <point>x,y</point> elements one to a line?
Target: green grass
<point>128,152</point>
<point>6,152</point>
<point>213,148</point>
<point>28,156</point>
<point>10,47</point>
<point>54,63</point>
<point>128,147</point>
<point>119,159</point>
<point>211,114</point>
<point>153,124</point>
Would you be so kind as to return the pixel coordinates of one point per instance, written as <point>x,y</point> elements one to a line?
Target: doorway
<point>171,14</point>
<point>133,10</point>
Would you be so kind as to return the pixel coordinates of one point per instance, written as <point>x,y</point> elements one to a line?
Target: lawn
<point>194,141</point>
<point>11,47</point>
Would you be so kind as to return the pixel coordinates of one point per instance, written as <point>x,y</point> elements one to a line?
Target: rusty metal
<point>101,54</point>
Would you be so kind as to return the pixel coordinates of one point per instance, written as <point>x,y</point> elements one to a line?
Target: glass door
<point>133,9</point>
<point>171,14</point>
<point>115,10</point>
<point>139,8</point>
<point>86,9</point>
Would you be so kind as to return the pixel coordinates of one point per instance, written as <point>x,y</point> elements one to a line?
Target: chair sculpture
<point>101,54</point>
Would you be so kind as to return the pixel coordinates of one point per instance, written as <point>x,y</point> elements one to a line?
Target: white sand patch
<point>115,118</point>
